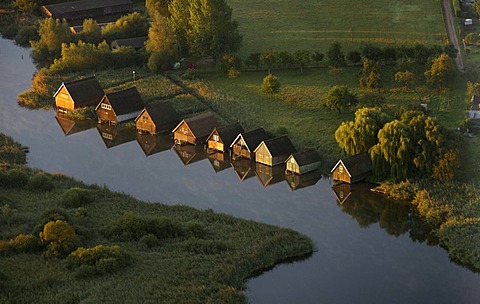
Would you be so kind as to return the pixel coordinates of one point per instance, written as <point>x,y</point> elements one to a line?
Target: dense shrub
<point>85,113</point>
<point>77,197</point>
<point>132,226</point>
<point>40,182</point>
<point>59,237</point>
<point>196,229</point>
<point>150,240</point>
<point>270,84</point>
<point>22,243</point>
<point>97,260</point>
<point>200,246</point>
<point>14,178</point>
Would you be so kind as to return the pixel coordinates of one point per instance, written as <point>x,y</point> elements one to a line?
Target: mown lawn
<point>310,24</point>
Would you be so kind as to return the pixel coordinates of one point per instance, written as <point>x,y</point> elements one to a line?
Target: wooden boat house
<point>136,43</point>
<point>352,169</point>
<point>274,151</point>
<point>222,137</point>
<point>246,142</point>
<point>195,130</point>
<point>77,94</point>
<point>119,106</point>
<point>303,162</point>
<point>84,9</point>
<point>156,118</point>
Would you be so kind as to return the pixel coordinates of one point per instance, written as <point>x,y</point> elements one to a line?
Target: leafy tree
<point>59,237</point>
<point>318,56</point>
<point>269,58</point>
<point>253,60</point>
<point>229,63</point>
<point>406,78</point>
<point>354,57</point>
<point>339,98</point>
<point>441,69</point>
<point>25,6</point>
<point>270,84</point>
<point>360,135</point>
<point>302,58</point>
<point>471,38</point>
<point>370,77</point>
<point>128,26</point>
<point>335,55</point>
<point>450,50</point>
<point>476,6</point>
<point>285,59</point>
<point>405,64</point>
<point>372,52</point>
<point>179,21</point>
<point>92,33</point>
<point>52,34</point>
<point>447,165</point>
<point>158,7</point>
<point>473,88</point>
<point>161,45</point>
<point>211,30</point>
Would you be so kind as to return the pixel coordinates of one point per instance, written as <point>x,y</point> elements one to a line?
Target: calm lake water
<point>364,248</point>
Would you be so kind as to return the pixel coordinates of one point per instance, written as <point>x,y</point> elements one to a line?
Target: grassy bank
<point>173,253</point>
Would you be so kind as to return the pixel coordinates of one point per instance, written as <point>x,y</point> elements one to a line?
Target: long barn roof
<point>200,125</point>
<point>82,5</point>
<point>229,132</point>
<point>125,101</point>
<point>279,146</point>
<point>252,138</point>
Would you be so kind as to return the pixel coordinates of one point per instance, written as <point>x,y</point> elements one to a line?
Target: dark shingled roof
<point>82,5</point>
<point>357,164</point>
<point>126,101</point>
<point>229,133</point>
<point>84,92</point>
<point>280,146</point>
<point>254,137</point>
<point>163,115</point>
<point>136,42</point>
<point>202,125</point>
<point>306,157</point>
<point>475,102</point>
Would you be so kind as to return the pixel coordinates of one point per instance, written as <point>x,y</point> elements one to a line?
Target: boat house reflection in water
<point>190,154</point>
<point>152,144</point>
<point>70,126</point>
<point>115,135</point>
<point>219,161</point>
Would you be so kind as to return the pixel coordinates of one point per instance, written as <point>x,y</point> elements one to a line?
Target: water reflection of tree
<point>395,217</point>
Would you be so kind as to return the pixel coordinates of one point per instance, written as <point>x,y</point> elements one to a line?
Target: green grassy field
<point>310,24</point>
<point>298,111</point>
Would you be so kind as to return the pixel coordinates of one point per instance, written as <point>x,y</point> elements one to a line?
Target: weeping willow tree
<point>413,145</point>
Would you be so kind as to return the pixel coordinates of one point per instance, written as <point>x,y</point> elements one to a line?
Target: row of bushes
<point>19,178</point>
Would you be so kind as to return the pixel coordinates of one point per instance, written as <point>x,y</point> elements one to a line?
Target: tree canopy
<point>339,98</point>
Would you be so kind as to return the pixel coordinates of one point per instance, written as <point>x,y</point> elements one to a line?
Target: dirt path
<point>452,34</point>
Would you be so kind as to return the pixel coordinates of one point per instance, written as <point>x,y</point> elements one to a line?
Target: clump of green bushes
<point>22,243</point>
<point>40,182</point>
<point>98,260</point>
<point>15,178</point>
<point>59,237</point>
<point>77,197</point>
<point>132,227</point>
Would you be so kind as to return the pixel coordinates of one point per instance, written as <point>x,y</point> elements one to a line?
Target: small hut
<point>136,43</point>
<point>76,94</point>
<point>222,137</point>
<point>352,169</point>
<point>274,151</point>
<point>119,106</point>
<point>245,143</point>
<point>195,130</point>
<point>157,118</point>
<point>303,162</point>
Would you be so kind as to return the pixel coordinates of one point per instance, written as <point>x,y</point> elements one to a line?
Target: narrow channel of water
<point>364,247</point>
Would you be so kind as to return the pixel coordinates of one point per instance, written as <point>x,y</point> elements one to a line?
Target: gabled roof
<point>200,125</point>
<point>125,101</point>
<point>229,132</point>
<point>162,114</point>
<point>279,146</point>
<point>356,164</point>
<point>306,157</point>
<point>475,102</point>
<point>252,138</point>
<point>136,42</point>
<point>82,5</point>
<point>84,92</point>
